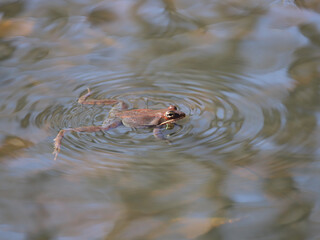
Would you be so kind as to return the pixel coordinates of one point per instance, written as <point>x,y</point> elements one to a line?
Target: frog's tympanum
<point>119,115</point>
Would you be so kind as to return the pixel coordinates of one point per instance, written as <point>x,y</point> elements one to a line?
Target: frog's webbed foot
<point>83,100</point>
<point>157,132</point>
<point>59,137</point>
<point>57,143</point>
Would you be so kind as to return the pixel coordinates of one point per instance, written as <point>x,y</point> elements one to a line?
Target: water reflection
<point>6,50</point>
<point>11,8</point>
<point>242,165</point>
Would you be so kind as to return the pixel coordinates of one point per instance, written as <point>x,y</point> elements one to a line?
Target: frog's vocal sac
<point>120,115</point>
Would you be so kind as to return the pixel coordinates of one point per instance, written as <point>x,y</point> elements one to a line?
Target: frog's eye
<point>172,107</point>
<point>170,114</point>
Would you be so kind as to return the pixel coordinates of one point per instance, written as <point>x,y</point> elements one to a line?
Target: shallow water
<point>243,164</point>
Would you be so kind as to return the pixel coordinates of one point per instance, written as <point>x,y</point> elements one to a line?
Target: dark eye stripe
<point>170,114</point>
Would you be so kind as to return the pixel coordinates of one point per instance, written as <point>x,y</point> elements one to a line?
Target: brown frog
<point>119,115</point>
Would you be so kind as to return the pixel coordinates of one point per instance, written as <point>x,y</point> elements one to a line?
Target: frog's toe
<point>55,153</point>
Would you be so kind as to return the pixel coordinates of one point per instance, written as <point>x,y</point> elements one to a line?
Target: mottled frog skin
<point>120,115</point>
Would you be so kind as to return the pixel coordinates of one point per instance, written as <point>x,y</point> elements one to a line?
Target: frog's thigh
<point>120,106</point>
<point>111,121</point>
<point>112,113</point>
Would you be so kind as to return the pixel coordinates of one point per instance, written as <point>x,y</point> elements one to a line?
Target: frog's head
<point>172,115</point>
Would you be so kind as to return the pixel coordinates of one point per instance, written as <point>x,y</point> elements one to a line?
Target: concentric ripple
<point>224,114</point>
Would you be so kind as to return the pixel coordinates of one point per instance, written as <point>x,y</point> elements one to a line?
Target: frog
<point>121,115</point>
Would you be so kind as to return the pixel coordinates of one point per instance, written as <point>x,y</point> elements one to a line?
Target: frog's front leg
<point>83,100</point>
<point>157,132</point>
<point>59,137</point>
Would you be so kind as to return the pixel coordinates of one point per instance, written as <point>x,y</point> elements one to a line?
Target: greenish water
<point>243,164</point>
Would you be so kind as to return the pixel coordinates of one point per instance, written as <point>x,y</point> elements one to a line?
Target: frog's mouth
<point>173,120</point>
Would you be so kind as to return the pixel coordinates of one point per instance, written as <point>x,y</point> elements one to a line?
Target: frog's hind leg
<point>59,137</point>
<point>83,100</point>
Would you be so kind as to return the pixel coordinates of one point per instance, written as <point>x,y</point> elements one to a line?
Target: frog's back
<point>140,118</point>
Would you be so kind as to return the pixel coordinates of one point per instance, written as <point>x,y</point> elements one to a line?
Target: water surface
<point>243,164</point>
